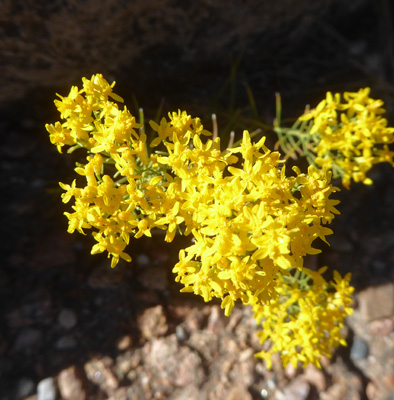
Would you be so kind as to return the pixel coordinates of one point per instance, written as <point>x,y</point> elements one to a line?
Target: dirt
<point>127,333</point>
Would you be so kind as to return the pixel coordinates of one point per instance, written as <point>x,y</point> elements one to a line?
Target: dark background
<point>199,57</point>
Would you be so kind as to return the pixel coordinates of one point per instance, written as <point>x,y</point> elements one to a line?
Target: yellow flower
<point>59,135</point>
<point>251,224</point>
<point>97,86</point>
<point>244,229</point>
<point>173,220</point>
<point>349,137</point>
<point>305,323</point>
<point>112,244</point>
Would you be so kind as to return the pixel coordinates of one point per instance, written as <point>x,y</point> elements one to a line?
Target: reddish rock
<point>315,377</point>
<point>298,389</point>
<point>216,320</point>
<point>173,366</point>
<point>382,327</point>
<point>377,302</point>
<point>70,384</point>
<point>125,342</point>
<point>389,381</point>
<point>371,391</point>
<point>99,372</point>
<point>346,385</point>
<point>153,322</point>
<point>126,362</point>
<point>190,392</point>
<point>239,393</point>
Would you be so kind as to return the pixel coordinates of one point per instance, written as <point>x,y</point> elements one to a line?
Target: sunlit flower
<point>252,223</point>
<point>350,136</point>
<point>305,323</point>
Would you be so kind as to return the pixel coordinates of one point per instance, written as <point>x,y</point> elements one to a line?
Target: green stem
<point>278,104</point>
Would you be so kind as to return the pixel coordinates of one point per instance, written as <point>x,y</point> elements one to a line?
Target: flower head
<point>350,136</point>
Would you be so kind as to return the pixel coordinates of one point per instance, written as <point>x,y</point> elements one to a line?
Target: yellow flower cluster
<point>350,136</point>
<point>305,322</point>
<point>250,222</point>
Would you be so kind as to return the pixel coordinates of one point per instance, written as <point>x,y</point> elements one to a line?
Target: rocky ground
<point>71,328</point>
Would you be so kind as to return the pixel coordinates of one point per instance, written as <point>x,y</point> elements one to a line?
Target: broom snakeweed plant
<point>252,223</point>
<point>345,136</point>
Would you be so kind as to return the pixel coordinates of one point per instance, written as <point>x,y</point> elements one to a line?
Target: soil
<point>127,333</point>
